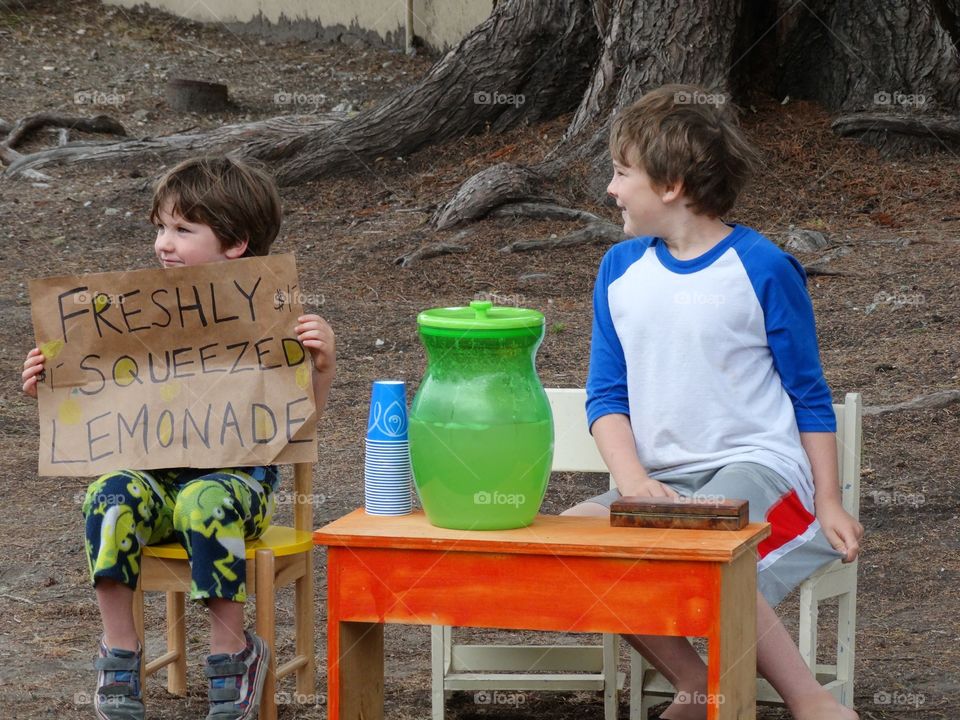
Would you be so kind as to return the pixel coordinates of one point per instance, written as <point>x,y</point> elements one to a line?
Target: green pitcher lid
<point>481,315</point>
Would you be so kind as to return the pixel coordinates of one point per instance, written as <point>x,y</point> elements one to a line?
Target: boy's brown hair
<point>238,201</point>
<point>681,133</point>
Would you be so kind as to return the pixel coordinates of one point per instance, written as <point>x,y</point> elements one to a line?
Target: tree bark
<point>645,44</point>
<point>873,54</point>
<point>536,59</point>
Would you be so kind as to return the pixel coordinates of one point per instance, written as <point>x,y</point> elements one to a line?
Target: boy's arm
<point>614,438</point>
<point>841,529</point>
<point>315,334</point>
<point>608,404</point>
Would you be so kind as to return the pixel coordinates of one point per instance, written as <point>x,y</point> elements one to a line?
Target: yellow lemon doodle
<point>165,429</point>
<point>293,352</point>
<point>100,301</point>
<point>169,391</point>
<point>303,377</point>
<point>51,349</point>
<point>124,371</point>
<point>69,412</point>
<point>264,426</point>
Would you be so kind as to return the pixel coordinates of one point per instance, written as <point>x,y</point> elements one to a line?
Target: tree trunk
<point>646,44</point>
<point>873,54</point>
<point>528,61</point>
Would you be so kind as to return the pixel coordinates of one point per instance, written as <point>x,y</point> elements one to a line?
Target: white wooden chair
<point>516,667</point>
<point>838,580</point>
<point>537,667</point>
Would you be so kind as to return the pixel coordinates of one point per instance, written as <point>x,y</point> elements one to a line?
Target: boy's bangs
<point>179,198</point>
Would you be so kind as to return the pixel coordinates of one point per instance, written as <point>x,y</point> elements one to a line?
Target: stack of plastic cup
<point>386,467</point>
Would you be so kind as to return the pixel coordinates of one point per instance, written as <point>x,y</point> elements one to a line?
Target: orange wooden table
<point>568,574</point>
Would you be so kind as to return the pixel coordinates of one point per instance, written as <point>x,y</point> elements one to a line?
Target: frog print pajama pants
<point>210,512</point>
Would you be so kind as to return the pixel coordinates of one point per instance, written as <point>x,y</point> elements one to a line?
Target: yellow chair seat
<point>279,538</point>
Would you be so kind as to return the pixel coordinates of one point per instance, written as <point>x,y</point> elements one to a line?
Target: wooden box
<point>686,513</point>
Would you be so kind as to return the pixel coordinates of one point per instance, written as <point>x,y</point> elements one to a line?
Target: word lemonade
<point>179,367</point>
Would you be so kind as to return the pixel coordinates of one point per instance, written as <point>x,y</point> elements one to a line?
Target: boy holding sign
<point>205,211</point>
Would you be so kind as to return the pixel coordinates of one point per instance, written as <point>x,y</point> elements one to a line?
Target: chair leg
<point>266,629</point>
<point>611,647</point>
<point>809,616</point>
<point>177,642</point>
<point>439,665</point>
<point>304,624</point>
<point>639,705</point>
<point>846,639</point>
<point>138,624</point>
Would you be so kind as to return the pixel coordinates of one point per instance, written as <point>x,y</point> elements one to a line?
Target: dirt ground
<point>888,325</point>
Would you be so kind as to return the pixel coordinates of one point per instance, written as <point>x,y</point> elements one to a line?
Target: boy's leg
<point>115,601</point>
<point>674,657</point>
<point>795,550</point>
<point>122,511</point>
<point>779,661</point>
<point>213,517</point>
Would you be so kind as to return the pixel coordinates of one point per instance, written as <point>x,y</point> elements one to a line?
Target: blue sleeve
<point>781,286</point>
<point>607,376</point>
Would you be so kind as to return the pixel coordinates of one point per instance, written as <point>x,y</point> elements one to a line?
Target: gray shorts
<point>796,548</point>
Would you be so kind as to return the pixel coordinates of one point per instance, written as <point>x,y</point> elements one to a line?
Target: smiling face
<point>642,206</point>
<point>182,243</point>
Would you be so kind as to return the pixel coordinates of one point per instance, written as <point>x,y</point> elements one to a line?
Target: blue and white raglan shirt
<point>714,359</point>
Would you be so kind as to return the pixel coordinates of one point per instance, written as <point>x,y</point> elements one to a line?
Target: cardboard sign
<point>182,367</point>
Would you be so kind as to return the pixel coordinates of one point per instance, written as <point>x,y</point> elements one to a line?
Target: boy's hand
<point>648,488</point>
<point>842,530</point>
<point>315,334</point>
<point>32,367</point>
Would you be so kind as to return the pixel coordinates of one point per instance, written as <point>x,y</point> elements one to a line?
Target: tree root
<point>273,133</point>
<point>31,123</point>
<point>933,401</point>
<point>488,189</point>
<point>17,132</point>
<point>598,233</point>
<point>544,211</point>
<point>429,251</point>
<point>898,133</point>
<point>816,269</point>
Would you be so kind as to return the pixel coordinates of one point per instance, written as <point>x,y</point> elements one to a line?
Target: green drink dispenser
<point>481,429</point>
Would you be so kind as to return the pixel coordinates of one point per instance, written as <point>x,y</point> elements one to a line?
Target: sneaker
<point>118,684</point>
<point>236,681</point>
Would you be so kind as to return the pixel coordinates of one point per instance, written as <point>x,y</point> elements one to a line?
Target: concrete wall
<point>440,23</point>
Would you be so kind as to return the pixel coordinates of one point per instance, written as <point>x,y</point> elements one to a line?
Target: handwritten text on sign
<point>184,367</point>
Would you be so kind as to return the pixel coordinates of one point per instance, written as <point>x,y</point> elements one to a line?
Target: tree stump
<point>196,95</point>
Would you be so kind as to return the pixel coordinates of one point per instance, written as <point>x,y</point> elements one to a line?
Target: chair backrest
<point>303,496</point>
<point>575,451</point>
<point>573,447</point>
<point>849,444</point>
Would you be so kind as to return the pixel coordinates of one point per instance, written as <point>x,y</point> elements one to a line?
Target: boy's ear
<point>236,251</point>
<point>671,192</point>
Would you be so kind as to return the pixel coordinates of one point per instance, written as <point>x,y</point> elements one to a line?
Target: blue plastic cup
<point>388,411</point>
<point>387,480</point>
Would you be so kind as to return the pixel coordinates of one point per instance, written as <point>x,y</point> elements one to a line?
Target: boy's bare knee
<point>588,509</point>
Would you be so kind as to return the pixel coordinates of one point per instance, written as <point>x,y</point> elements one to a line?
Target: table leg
<point>355,673</point>
<point>732,649</point>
